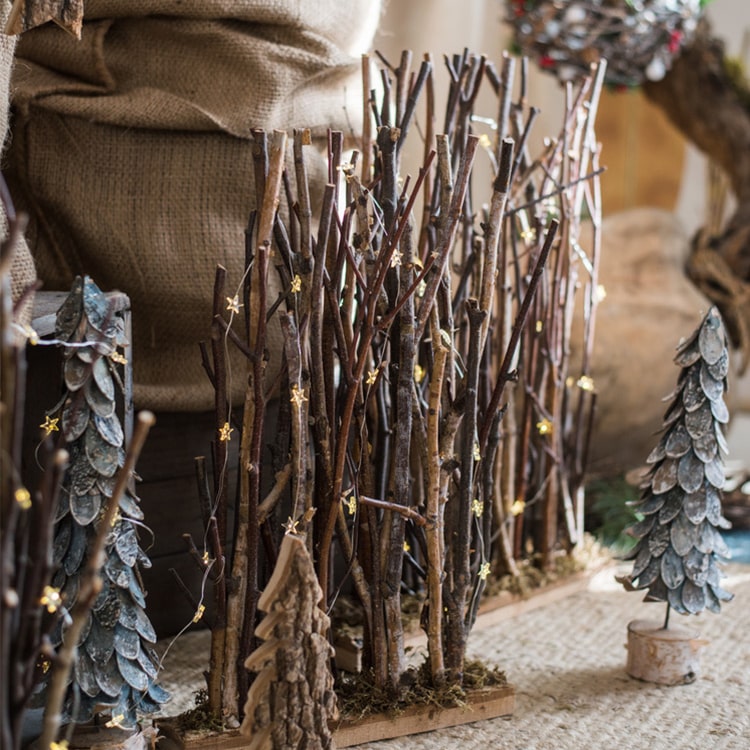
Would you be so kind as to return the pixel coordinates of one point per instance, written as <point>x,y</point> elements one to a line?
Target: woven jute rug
<point>566,660</point>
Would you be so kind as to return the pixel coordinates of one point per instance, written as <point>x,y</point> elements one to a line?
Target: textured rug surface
<point>566,660</point>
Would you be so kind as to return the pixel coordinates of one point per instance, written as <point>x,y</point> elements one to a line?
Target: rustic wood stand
<point>487,703</point>
<point>665,656</point>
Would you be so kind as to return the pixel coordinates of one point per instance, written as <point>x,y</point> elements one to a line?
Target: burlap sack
<point>650,305</point>
<point>23,273</point>
<point>132,151</point>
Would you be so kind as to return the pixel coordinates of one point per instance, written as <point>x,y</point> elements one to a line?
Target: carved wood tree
<point>291,701</point>
<point>676,558</point>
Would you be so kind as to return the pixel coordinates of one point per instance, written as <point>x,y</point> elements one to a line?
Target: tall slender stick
<point>504,374</point>
<point>434,514</point>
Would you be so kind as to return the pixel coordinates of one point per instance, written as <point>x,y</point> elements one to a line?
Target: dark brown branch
<point>504,374</point>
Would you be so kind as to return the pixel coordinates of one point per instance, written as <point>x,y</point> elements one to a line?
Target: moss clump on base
<point>359,696</point>
<point>531,576</point>
<point>200,718</point>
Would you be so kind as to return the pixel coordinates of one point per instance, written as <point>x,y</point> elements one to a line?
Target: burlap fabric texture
<point>22,269</point>
<point>132,151</point>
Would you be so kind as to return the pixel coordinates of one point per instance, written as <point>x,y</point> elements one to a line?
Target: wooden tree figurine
<point>291,701</point>
<point>677,556</point>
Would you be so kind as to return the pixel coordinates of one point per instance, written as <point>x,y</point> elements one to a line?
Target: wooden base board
<point>488,703</point>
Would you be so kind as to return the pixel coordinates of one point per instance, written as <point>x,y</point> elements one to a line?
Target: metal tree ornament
<point>677,558</point>
<point>638,38</point>
<point>115,665</point>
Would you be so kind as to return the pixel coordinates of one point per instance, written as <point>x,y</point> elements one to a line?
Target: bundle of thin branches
<point>409,316</point>
<point>28,606</point>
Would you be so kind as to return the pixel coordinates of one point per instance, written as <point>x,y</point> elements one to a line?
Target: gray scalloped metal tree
<point>677,558</point>
<point>115,663</point>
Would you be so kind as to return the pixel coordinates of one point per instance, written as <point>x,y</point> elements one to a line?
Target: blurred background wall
<point>649,163</point>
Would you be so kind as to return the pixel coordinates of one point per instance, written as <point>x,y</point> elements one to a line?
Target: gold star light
<point>477,507</point>
<point>50,425</point>
<point>51,599</point>
<point>199,612</point>
<point>372,376</point>
<point>23,498</point>
<point>484,571</point>
<point>585,383</point>
<point>290,527</point>
<point>234,304</point>
<point>517,508</point>
<point>298,396</point>
<point>118,358</point>
<point>225,433</point>
<point>296,284</point>
<point>30,334</point>
<point>544,426</point>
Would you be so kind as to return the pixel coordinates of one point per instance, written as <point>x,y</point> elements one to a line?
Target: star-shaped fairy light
<point>544,426</point>
<point>234,304</point>
<point>51,599</point>
<point>23,498</point>
<point>297,396</point>
<point>290,527</point>
<point>225,433</point>
<point>50,425</point>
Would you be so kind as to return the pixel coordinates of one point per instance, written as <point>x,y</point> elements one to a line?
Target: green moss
<point>735,71</point>
<point>200,718</point>
<point>608,501</point>
<point>532,576</point>
<point>359,696</point>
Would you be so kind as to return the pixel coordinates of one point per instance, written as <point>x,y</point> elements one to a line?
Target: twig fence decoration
<point>431,427</point>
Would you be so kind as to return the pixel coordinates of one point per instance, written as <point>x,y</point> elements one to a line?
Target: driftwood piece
<point>708,100</point>
<point>291,701</point>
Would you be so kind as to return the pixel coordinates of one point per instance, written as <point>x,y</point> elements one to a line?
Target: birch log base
<point>665,656</point>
